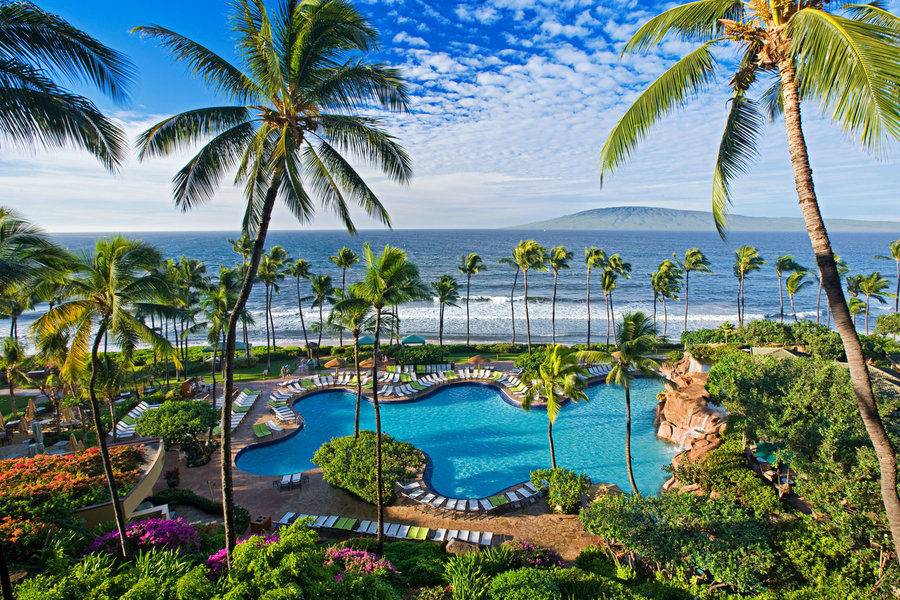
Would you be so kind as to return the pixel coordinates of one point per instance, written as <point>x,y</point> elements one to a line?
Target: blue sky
<point>512,100</point>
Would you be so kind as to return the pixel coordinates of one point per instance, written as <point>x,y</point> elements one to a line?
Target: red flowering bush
<point>174,534</point>
<point>356,562</point>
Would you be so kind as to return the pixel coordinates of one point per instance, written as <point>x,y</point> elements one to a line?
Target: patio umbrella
<point>334,363</point>
<point>477,360</point>
<point>412,340</point>
<point>367,340</point>
<point>367,364</point>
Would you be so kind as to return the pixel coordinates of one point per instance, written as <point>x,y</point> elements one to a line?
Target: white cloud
<point>410,40</point>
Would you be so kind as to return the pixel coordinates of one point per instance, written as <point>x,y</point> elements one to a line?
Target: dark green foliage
<point>178,422</point>
<point>888,324</point>
<point>417,564</point>
<point>597,561</point>
<point>524,584</point>
<point>350,464</point>
<point>564,488</point>
<point>176,496</point>
<point>428,354</point>
<point>725,471</point>
<point>470,574</point>
<point>675,530</point>
<point>530,362</point>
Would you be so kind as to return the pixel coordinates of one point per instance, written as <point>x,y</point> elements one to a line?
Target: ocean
<point>438,252</point>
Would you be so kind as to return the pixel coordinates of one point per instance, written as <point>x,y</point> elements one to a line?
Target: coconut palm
<point>666,284</point>
<point>558,259</point>
<point>872,287</point>
<point>727,328</point>
<point>446,291</point>
<point>844,56</point>
<point>529,255</point>
<point>694,260</point>
<point>15,364</point>
<point>894,248</point>
<point>216,302</point>
<point>388,281</point>
<point>27,256</point>
<point>782,265</point>
<point>353,314</point>
<point>323,293</point>
<point>746,261</point>
<point>104,294</point>
<point>593,258</point>
<point>299,100</point>
<point>39,53</point>
<point>796,281</point>
<point>111,379</point>
<point>300,270</point>
<point>510,261</point>
<point>636,344</point>
<point>243,247</point>
<point>856,308</point>
<point>270,272</point>
<point>344,259</point>
<point>560,377</point>
<point>613,268</point>
<point>470,264</point>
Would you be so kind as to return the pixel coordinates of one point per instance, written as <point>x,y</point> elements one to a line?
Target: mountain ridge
<point>650,218</point>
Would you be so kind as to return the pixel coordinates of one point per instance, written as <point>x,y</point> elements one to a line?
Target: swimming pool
<point>479,444</point>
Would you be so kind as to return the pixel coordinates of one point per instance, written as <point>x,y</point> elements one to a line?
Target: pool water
<point>479,444</point>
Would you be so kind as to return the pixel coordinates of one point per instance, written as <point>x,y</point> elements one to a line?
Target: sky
<point>511,103</point>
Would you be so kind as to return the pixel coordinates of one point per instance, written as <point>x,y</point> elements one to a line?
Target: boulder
<point>460,547</point>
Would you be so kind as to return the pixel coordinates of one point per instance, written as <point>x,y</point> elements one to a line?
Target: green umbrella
<point>412,340</point>
<point>367,340</point>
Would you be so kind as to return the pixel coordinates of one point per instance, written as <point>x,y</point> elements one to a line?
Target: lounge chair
<point>261,431</point>
<point>274,426</point>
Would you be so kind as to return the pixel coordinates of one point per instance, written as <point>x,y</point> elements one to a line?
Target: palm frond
<point>683,79</point>
<point>46,41</point>
<point>255,39</point>
<point>362,137</point>
<point>737,150</point>
<point>851,66</point>
<point>873,12</point>
<point>212,69</point>
<point>187,128</point>
<point>293,193</point>
<point>352,183</point>
<point>358,83</point>
<point>325,186</point>
<point>693,21</point>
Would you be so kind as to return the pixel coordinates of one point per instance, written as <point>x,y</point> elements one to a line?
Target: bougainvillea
<point>216,562</point>
<point>356,562</point>
<point>174,534</point>
<point>532,555</point>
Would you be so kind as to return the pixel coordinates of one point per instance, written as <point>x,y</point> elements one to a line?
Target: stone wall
<point>685,416</point>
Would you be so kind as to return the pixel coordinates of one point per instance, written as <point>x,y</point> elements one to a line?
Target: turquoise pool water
<point>479,444</point>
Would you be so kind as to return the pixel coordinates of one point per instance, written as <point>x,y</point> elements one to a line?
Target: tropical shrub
<point>470,574</point>
<point>564,488</point>
<point>524,584</point>
<point>427,354</point>
<point>531,555</point>
<point>417,564</point>
<point>178,423</point>
<point>172,534</point>
<point>530,362</point>
<point>176,496</point>
<point>349,464</point>
<point>888,324</point>
<point>216,561</point>
<point>713,537</point>
<point>350,561</point>
<point>596,560</point>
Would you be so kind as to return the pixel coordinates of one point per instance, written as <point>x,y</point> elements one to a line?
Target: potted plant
<point>173,477</point>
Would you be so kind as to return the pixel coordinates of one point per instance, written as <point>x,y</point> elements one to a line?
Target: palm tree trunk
<point>552,448</point>
<point>272,316</point>
<point>654,307</point>
<point>588,300</point>
<point>441,325</point>
<point>12,395</point>
<point>867,314</point>
<point>321,322</point>
<point>553,308</point>
<point>302,322</point>
<point>468,293</point>
<point>612,316</point>
<point>527,319</point>
<point>821,245</point>
<point>608,320</point>
<point>512,304</point>
<point>112,419</point>
<point>665,317</point>
<point>897,289</point>
<point>358,385</point>
<point>819,297</point>
<point>781,300</point>
<point>212,374</point>
<point>687,281</point>
<point>246,342</point>
<point>343,295</point>
<point>104,449</point>
<point>628,439</point>
<point>268,335</point>
<point>378,491</point>
<point>227,459</point>
<point>793,308</point>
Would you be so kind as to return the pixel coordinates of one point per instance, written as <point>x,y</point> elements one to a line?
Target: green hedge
<point>564,488</point>
<point>212,507</point>
<point>349,464</point>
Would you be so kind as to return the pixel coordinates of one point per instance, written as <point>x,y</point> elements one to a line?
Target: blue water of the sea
<point>479,444</point>
<point>712,297</point>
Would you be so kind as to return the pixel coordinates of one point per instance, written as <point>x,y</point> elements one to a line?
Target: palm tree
<point>322,294</point>
<point>558,259</point>
<point>446,290</point>
<point>613,268</point>
<point>243,246</point>
<point>694,260</point>
<point>528,254</point>
<point>104,294</point>
<point>796,281</point>
<point>561,376</point>
<point>727,328</point>
<point>300,270</point>
<point>846,61</point>
<point>25,251</point>
<point>666,283</point>
<point>216,302</point>
<point>894,248</point>
<point>856,308</point>
<point>782,265</point>
<point>872,287</point>
<point>388,281</point>
<point>636,344</point>
<point>299,102</point>
<point>270,272</point>
<point>344,259</point>
<point>111,379</point>
<point>41,50</point>
<point>511,262</point>
<point>593,258</point>
<point>15,364</point>
<point>746,260</point>
<point>353,314</point>
<point>470,264</point>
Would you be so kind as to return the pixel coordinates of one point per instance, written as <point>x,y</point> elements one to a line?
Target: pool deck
<point>563,533</point>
